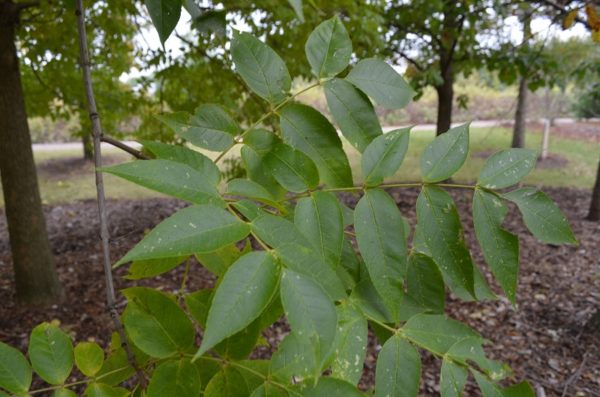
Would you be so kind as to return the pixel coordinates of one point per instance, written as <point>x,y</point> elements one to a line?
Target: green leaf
<point>542,217</point>
<point>507,167</point>
<point>259,172</point>
<point>15,373</point>
<point>425,283</point>
<point>470,350</point>
<point>263,71</point>
<point>353,113</point>
<point>200,228</point>
<point>269,390</point>
<point>250,189</point>
<point>51,353</point>
<point>380,237</point>
<point>260,140</point>
<point>165,176</point>
<point>443,236</point>
<point>368,300</point>
<point>249,209</point>
<point>398,370</point>
<point>308,131</point>
<point>254,372</point>
<point>328,48</point>
<point>240,345</point>
<point>96,389</point>
<point>319,218</point>
<point>89,358</point>
<point>329,387</point>
<point>350,262</point>
<point>488,389</point>
<point>306,261</point>
<point>198,304</point>
<point>242,295</point>
<point>277,231</point>
<point>381,82</point>
<point>227,383</point>
<point>295,357</point>
<point>297,6</point>
<point>210,127</point>
<point>522,389</point>
<point>217,262</point>
<point>293,169</point>
<point>500,248</point>
<point>210,20</point>
<point>116,367</point>
<point>62,393</point>
<point>165,15</point>
<point>181,154</point>
<point>155,322</point>
<point>453,379</point>
<point>435,332</point>
<point>152,267</point>
<point>309,311</point>
<point>175,378</point>
<point>383,156</point>
<point>445,154</point>
<point>350,344</point>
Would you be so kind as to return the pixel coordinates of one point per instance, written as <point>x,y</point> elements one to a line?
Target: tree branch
<point>26,4</point>
<point>563,10</point>
<point>411,61</point>
<point>104,235</point>
<point>116,143</point>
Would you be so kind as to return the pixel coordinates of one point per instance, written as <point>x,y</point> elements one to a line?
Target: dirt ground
<point>548,339</point>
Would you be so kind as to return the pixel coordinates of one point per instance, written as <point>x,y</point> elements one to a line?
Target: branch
<point>116,143</point>
<point>563,10</point>
<point>412,61</point>
<point>26,4</point>
<point>104,235</point>
<point>574,377</point>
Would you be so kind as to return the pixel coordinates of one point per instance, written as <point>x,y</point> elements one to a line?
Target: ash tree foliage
<point>281,243</point>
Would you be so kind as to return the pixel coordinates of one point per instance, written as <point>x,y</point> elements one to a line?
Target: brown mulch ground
<point>545,340</point>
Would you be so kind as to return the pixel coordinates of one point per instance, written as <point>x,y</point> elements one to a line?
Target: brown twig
<point>116,143</point>
<point>104,235</point>
<point>575,376</point>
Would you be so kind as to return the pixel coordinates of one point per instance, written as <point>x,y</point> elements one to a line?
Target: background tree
<point>50,70</point>
<point>441,39</point>
<point>201,72</point>
<point>35,275</point>
<point>585,13</point>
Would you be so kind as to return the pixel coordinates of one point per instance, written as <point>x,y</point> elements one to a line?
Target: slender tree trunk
<point>518,139</point>
<point>594,214</point>
<point>35,275</point>
<point>445,100</point>
<point>546,139</point>
<point>88,148</point>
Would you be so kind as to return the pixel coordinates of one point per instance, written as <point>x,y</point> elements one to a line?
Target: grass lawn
<point>64,178</point>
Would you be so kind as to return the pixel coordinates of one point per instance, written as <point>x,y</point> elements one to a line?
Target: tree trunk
<point>35,275</point>
<point>445,100</point>
<point>594,214</point>
<point>546,139</point>
<point>88,148</point>
<point>518,139</point>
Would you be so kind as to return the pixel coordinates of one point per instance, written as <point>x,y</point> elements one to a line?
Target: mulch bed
<point>545,340</point>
